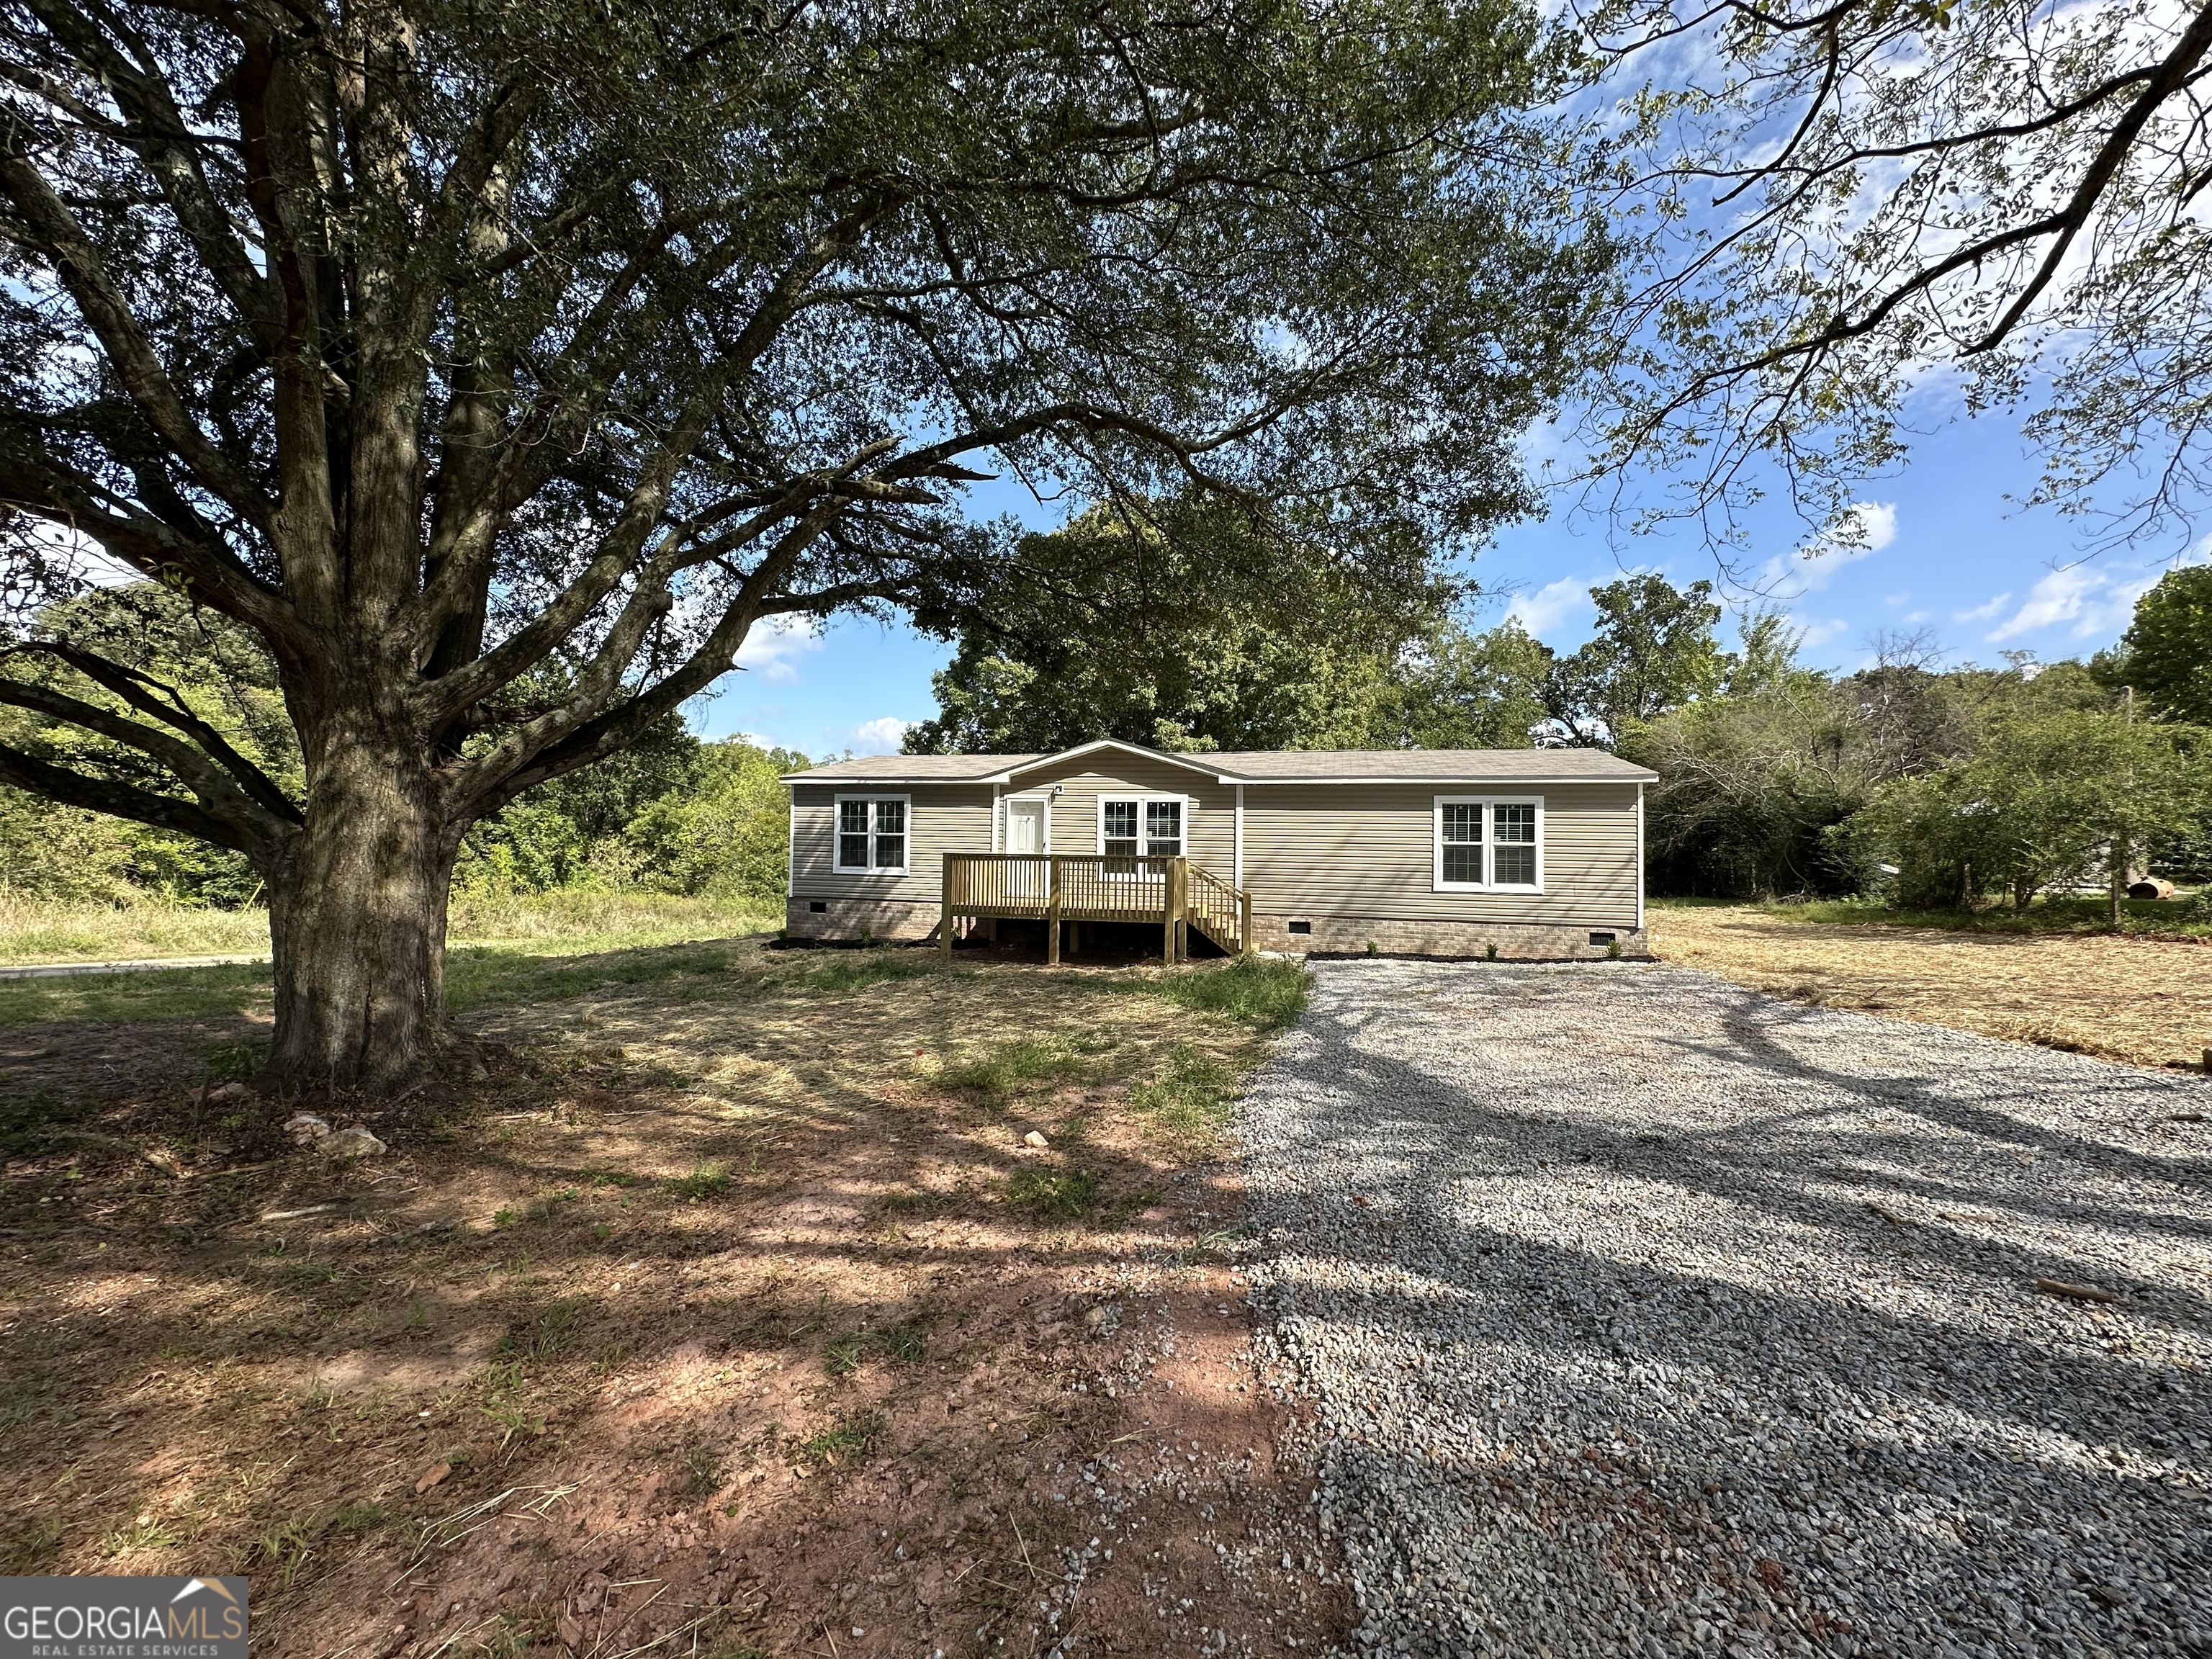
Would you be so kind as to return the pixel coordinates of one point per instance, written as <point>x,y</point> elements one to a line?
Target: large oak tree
<point>499,365</point>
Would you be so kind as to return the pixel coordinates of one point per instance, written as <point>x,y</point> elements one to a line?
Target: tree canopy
<point>501,369</point>
<point>1840,196</point>
<point>2166,655</point>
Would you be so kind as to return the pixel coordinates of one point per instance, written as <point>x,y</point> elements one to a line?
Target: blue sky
<point>1950,551</point>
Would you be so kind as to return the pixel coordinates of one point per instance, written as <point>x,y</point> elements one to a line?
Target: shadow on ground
<point>728,1304</point>
<point>1641,1305</point>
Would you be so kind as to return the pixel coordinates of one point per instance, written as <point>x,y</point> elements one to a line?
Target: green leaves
<point>2166,652</point>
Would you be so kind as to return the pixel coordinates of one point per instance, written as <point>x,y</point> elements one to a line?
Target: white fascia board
<point>1093,747</point>
<point>1489,780</point>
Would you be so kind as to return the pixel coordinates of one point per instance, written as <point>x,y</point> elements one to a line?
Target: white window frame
<point>1006,816</point>
<point>837,864</point>
<point>1142,801</point>
<point>1489,804</point>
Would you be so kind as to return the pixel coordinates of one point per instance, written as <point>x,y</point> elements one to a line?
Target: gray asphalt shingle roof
<point>1271,766</point>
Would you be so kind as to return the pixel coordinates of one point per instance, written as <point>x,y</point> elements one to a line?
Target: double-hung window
<point>1117,828</point>
<point>1485,845</point>
<point>872,835</point>
<point>1140,826</point>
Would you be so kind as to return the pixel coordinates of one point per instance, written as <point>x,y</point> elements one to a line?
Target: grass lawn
<point>722,1300</point>
<point>2139,918</point>
<point>553,945</point>
<point>34,931</point>
<point>2041,977</point>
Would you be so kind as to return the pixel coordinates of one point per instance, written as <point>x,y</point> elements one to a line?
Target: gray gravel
<point>1643,1315</point>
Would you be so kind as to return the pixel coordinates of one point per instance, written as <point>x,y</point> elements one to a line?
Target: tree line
<point>1928,786</point>
<point>670,814</point>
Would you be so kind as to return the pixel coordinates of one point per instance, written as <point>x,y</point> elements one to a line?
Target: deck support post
<point>1052,916</point>
<point>1244,924</point>
<point>945,911</point>
<point>1172,895</point>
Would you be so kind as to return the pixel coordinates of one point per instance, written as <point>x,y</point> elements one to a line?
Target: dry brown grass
<point>719,1311</point>
<point>2145,1001</point>
<point>44,930</point>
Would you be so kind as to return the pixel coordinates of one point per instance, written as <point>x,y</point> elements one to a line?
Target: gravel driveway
<point>1643,1314</point>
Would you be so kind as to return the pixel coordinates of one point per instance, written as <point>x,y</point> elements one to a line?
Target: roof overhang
<point>1197,762</point>
<point>1099,746</point>
<point>1492,780</point>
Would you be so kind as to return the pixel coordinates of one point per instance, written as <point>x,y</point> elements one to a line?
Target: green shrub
<point>2052,800</point>
<point>727,830</point>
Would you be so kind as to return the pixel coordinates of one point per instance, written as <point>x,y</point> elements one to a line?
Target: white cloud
<point>1916,617</point>
<point>1876,524</point>
<point>1867,527</point>
<point>1552,606</point>
<point>1984,611</point>
<point>2096,601</point>
<point>74,557</point>
<point>880,736</point>
<point>772,650</point>
<point>1817,633</point>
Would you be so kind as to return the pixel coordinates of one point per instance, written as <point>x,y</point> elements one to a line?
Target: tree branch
<point>139,690</point>
<point>122,800</point>
<point>253,828</point>
<point>83,273</point>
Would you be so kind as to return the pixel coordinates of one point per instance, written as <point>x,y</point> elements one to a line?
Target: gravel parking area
<point>1641,1314</point>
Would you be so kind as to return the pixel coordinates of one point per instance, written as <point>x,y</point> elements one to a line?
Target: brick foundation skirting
<point>891,920</point>
<point>894,921</point>
<point>1352,935</point>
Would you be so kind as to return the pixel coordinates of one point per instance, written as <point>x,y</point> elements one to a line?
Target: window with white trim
<point>871,834</point>
<point>1141,826</point>
<point>1164,829</point>
<point>1117,828</point>
<point>1487,845</point>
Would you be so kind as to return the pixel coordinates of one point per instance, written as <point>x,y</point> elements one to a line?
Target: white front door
<point>1025,834</point>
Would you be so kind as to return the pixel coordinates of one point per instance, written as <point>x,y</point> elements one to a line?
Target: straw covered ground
<point>2145,1001</point>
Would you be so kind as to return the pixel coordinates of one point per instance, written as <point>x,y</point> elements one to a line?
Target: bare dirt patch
<point>731,1313</point>
<point>2145,1001</point>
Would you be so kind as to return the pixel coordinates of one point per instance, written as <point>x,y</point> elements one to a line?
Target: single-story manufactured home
<point>1437,852</point>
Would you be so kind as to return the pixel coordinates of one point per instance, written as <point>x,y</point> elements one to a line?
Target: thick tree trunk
<point>358,918</point>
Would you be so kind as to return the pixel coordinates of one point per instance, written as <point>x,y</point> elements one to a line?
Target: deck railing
<point>1056,888</point>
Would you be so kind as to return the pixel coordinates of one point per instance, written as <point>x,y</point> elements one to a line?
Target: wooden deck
<point>1056,889</point>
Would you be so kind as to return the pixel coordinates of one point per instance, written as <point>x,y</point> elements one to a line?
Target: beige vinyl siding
<point>941,818</point>
<point>1368,850</point>
<point>1210,808</point>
